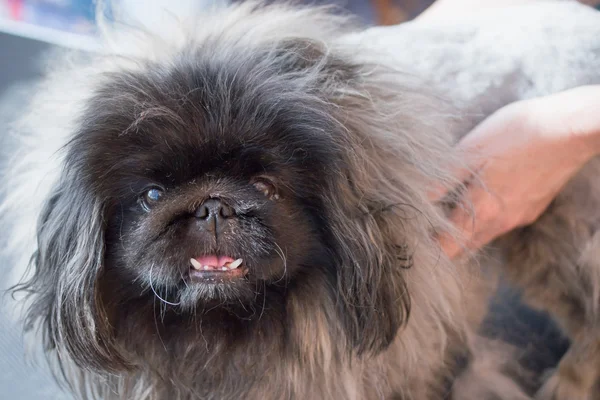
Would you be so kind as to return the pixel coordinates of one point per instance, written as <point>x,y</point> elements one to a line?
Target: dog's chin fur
<point>346,295</point>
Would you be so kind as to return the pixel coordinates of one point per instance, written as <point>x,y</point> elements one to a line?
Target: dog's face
<point>209,199</point>
<point>220,200</point>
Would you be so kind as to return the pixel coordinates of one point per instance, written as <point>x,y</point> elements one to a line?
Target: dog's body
<point>345,292</point>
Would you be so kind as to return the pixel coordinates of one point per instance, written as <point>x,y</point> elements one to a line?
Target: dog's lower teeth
<point>225,267</point>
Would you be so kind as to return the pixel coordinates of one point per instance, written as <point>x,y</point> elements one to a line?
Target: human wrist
<point>573,116</point>
<point>587,117</point>
<point>592,140</point>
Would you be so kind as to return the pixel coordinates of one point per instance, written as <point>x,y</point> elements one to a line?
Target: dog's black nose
<point>213,214</point>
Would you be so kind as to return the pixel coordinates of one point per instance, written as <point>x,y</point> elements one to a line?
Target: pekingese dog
<point>238,209</point>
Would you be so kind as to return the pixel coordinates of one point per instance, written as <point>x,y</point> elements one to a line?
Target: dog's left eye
<point>150,198</point>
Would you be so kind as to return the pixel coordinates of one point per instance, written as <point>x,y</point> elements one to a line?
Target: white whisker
<point>156,294</point>
<point>284,259</point>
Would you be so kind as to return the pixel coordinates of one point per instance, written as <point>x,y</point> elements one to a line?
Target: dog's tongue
<point>214,261</point>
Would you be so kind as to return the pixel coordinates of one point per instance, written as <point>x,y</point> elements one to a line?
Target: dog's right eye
<point>150,198</point>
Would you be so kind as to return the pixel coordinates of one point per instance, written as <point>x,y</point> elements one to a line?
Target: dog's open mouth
<point>216,268</point>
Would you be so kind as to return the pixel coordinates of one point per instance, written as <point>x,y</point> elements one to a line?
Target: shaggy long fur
<point>348,295</point>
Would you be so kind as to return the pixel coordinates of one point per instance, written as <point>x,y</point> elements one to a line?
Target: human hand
<point>523,154</point>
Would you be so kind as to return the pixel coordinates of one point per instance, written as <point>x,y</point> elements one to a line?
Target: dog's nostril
<point>226,211</point>
<point>202,212</point>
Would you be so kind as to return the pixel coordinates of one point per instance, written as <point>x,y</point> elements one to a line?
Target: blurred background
<point>28,28</point>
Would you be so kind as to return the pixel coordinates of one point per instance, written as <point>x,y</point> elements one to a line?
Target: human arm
<point>524,154</point>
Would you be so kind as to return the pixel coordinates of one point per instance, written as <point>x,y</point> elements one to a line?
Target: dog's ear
<point>388,158</point>
<point>371,259</point>
<point>66,268</point>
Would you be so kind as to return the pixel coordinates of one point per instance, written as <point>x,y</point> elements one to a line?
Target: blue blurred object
<point>75,16</point>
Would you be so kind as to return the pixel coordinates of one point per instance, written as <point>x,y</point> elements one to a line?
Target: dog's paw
<point>560,387</point>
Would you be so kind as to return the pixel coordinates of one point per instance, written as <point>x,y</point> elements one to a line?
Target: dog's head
<point>219,184</point>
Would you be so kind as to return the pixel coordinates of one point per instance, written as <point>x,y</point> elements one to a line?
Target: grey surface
<point>20,377</point>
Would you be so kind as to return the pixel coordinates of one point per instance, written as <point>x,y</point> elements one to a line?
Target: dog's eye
<point>267,188</point>
<point>150,198</point>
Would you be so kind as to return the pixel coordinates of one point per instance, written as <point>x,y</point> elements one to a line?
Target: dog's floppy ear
<point>373,297</point>
<point>67,265</point>
<point>389,155</point>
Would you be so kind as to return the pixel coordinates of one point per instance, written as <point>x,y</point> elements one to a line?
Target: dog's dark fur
<point>346,295</point>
